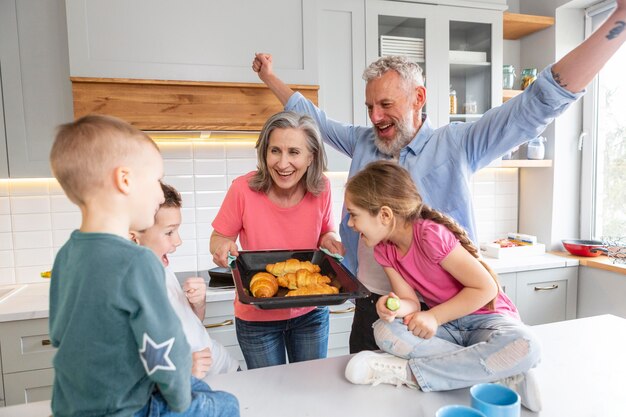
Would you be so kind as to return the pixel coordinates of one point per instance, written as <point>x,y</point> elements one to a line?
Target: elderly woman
<point>285,203</point>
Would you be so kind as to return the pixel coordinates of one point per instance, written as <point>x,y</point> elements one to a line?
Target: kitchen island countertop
<point>580,376</point>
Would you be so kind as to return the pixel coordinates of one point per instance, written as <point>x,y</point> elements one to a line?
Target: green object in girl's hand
<point>393,303</point>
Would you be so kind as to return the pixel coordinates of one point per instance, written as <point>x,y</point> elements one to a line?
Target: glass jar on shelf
<point>453,103</point>
<point>508,76</point>
<point>529,75</point>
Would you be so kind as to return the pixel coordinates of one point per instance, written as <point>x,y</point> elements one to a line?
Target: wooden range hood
<point>180,105</point>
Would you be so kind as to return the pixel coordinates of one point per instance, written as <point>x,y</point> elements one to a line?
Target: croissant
<point>313,289</point>
<point>302,278</point>
<point>263,285</point>
<point>290,265</point>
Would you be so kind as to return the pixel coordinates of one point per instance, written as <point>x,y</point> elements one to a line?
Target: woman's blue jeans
<point>269,343</point>
<point>204,402</point>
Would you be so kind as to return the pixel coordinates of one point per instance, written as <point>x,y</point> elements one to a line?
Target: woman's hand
<point>383,312</point>
<point>195,290</point>
<point>220,246</point>
<point>330,242</point>
<point>202,361</point>
<point>422,324</point>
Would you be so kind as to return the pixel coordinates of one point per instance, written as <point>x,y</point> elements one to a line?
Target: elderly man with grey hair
<point>441,160</point>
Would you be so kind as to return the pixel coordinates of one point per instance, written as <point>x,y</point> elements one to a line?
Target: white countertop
<point>579,376</point>
<point>30,301</point>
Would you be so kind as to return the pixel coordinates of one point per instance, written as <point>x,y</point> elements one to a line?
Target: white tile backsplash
<point>5,205</point>
<point>31,222</point>
<point>36,218</point>
<point>32,240</point>
<point>31,204</point>
<point>209,150</point>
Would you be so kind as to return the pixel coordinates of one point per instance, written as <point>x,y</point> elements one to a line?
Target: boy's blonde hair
<point>385,183</point>
<point>86,150</point>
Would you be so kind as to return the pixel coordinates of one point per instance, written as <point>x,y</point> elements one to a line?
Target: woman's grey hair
<point>313,179</point>
<point>408,70</point>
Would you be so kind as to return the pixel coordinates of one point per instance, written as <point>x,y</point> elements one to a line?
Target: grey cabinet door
<point>547,295</point>
<point>341,48</point>
<point>191,40</point>
<point>36,89</point>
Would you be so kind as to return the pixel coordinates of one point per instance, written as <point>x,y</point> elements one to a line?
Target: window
<point>603,192</point>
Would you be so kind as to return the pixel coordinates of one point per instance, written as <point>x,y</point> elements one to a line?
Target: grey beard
<point>403,137</point>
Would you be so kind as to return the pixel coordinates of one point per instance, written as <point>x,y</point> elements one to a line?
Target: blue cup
<point>458,411</point>
<point>495,400</point>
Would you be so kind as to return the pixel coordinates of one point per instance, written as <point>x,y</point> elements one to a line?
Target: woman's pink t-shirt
<point>421,268</point>
<point>262,225</point>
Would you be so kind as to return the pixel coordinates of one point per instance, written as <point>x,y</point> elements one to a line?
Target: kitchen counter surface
<point>30,301</point>
<point>599,262</point>
<point>569,386</point>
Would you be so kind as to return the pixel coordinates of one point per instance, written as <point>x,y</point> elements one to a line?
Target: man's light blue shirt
<point>442,161</point>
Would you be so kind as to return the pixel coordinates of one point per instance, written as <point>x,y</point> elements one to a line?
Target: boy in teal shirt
<point>120,347</point>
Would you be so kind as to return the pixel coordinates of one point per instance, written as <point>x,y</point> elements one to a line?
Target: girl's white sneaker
<point>369,367</point>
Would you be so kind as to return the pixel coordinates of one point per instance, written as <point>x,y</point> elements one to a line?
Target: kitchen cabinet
<point>601,292</point>
<point>220,323</point>
<point>341,60</point>
<point>26,354</point>
<point>196,40</point>
<point>462,50</point>
<point>35,87</point>
<point>544,295</point>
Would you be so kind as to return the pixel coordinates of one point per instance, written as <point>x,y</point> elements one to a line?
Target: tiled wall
<point>36,218</point>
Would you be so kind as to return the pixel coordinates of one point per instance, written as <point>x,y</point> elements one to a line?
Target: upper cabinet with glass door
<point>459,48</point>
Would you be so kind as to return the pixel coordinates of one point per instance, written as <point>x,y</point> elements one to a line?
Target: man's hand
<point>202,361</point>
<point>262,64</point>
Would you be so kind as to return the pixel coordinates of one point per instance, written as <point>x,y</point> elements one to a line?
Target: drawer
<point>236,354</point>
<point>341,351</point>
<point>338,340</point>
<point>29,386</point>
<point>25,346</point>
<point>542,296</point>
<point>219,309</point>
<point>224,335</point>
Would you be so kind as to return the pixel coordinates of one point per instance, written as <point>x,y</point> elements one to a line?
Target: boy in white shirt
<point>209,357</point>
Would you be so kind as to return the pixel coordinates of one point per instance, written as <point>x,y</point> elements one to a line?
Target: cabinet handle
<point>551,287</point>
<point>347,310</point>
<point>224,323</point>
<point>46,342</point>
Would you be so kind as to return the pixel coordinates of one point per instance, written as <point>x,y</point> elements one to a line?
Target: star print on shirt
<point>156,356</point>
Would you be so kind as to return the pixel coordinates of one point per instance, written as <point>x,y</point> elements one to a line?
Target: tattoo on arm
<point>619,28</point>
<point>557,78</point>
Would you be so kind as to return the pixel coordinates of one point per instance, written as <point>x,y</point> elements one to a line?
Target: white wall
<point>550,198</point>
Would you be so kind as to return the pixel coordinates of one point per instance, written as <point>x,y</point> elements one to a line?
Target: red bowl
<point>580,247</point>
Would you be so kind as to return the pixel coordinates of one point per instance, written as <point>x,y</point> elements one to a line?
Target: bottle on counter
<point>536,148</point>
<point>452,101</point>
<point>508,76</point>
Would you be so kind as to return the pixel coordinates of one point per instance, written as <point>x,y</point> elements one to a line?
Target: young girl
<point>471,332</point>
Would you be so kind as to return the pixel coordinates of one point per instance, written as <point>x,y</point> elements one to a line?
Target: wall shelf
<point>509,94</point>
<point>518,25</point>
<point>521,163</point>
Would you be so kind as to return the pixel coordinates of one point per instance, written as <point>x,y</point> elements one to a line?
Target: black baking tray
<point>249,263</point>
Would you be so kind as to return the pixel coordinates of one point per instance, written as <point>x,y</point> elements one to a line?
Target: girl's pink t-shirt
<point>421,268</point>
<point>262,225</point>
